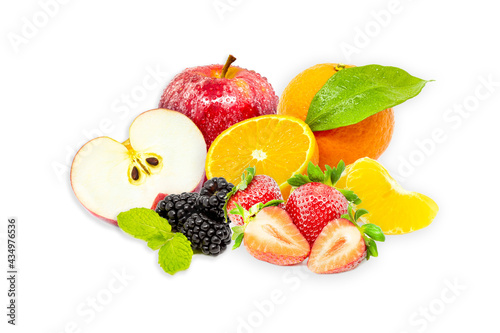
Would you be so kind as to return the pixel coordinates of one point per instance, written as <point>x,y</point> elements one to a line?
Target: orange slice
<point>394,209</point>
<point>278,146</point>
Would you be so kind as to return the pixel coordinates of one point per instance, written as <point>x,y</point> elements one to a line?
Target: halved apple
<point>165,154</point>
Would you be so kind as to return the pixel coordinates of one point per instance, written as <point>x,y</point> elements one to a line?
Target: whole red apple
<point>216,97</point>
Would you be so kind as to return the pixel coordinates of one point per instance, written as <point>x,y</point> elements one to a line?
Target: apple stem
<point>229,61</point>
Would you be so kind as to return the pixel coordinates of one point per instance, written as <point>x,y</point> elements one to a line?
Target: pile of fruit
<point>288,201</point>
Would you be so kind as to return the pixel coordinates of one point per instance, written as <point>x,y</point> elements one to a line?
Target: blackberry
<point>176,208</point>
<point>200,216</point>
<point>206,235</point>
<point>213,197</point>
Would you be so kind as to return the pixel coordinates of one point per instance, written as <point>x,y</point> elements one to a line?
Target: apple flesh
<point>216,97</point>
<point>165,154</point>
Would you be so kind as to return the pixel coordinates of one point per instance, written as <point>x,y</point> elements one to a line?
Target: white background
<point>65,80</point>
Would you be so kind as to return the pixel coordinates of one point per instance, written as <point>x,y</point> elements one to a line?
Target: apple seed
<point>135,173</point>
<point>152,161</point>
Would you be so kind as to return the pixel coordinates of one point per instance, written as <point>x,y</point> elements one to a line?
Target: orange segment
<point>392,208</point>
<point>278,146</point>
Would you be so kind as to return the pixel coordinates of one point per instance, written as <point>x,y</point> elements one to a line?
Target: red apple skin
<point>214,103</point>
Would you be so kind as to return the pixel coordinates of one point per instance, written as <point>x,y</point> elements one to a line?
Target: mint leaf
<point>356,93</point>
<point>144,223</point>
<point>158,241</point>
<point>176,254</point>
<point>175,249</point>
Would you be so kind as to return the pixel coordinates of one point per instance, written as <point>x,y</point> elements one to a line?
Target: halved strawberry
<point>271,236</point>
<point>339,247</point>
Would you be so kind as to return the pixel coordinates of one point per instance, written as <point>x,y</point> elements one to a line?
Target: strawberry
<point>314,202</point>
<point>338,248</point>
<point>342,244</point>
<point>270,235</point>
<point>251,190</point>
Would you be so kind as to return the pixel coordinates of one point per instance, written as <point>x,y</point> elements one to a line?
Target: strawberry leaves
<point>350,196</point>
<point>246,179</point>
<point>248,215</point>
<point>316,175</point>
<point>369,231</point>
<point>330,177</point>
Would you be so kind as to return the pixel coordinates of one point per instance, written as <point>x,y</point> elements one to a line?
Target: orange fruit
<point>370,137</point>
<point>394,209</point>
<point>278,146</point>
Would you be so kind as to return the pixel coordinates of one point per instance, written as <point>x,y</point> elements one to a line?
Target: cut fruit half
<point>278,146</point>
<point>271,236</point>
<point>339,247</point>
<point>165,154</point>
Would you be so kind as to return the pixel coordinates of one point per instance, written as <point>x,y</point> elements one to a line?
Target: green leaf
<point>237,230</point>
<point>238,233</point>
<point>351,214</point>
<point>373,231</point>
<point>372,250</point>
<point>298,180</point>
<point>350,196</point>
<point>235,211</point>
<point>238,241</point>
<point>356,93</point>
<point>241,210</point>
<point>255,209</point>
<point>145,224</point>
<point>359,213</point>
<point>346,216</point>
<point>158,241</point>
<point>314,173</point>
<point>329,172</point>
<point>367,240</point>
<point>273,203</point>
<point>176,254</point>
<point>249,176</point>
<point>337,172</point>
<point>246,179</point>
